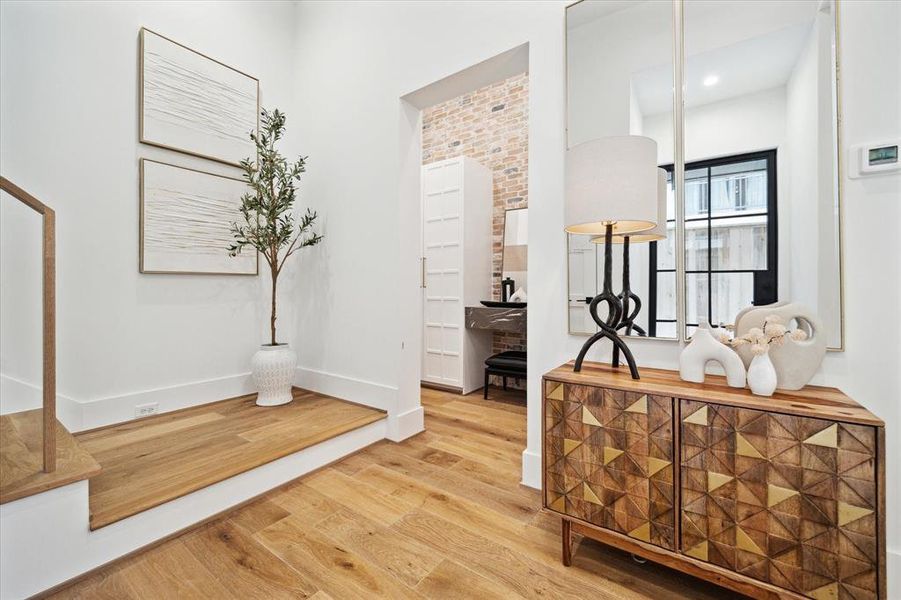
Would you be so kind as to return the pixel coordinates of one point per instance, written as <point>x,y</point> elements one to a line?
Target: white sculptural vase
<point>704,348</point>
<point>796,361</point>
<point>762,375</point>
<point>273,373</point>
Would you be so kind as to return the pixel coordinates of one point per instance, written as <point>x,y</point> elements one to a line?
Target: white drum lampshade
<point>611,180</point>
<point>651,235</point>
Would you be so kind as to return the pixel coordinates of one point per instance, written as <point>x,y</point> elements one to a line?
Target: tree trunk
<point>272,318</point>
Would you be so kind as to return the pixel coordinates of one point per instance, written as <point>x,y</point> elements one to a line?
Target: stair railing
<point>48,252</point>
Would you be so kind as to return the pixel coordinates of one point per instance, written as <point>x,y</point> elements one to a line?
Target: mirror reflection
<point>760,139</point>
<point>620,82</point>
<point>514,281</point>
<point>760,132</point>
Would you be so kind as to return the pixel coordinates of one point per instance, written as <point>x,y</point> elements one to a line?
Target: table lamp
<point>627,296</point>
<point>611,190</point>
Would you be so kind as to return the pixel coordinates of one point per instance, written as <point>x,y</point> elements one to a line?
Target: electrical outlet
<point>145,410</point>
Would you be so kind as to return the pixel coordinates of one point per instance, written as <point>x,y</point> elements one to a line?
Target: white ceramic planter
<point>762,375</point>
<point>273,370</point>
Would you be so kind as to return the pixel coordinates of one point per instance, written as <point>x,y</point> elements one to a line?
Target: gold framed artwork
<point>185,222</point>
<point>194,104</point>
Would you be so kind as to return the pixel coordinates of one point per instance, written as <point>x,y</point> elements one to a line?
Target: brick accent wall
<point>491,126</point>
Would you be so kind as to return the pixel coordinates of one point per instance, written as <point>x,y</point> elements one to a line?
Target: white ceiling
<point>587,11</point>
<point>748,66</point>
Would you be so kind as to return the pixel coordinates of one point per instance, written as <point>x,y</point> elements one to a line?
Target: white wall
<point>68,135</point>
<point>355,62</point>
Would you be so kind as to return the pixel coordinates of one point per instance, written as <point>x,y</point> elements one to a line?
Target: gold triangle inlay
<point>588,418</point>
<point>828,437</point>
<point>655,464</point>
<point>744,448</point>
<point>556,393</point>
<point>776,494</point>
<point>559,504</point>
<point>717,480</point>
<point>589,495</point>
<point>699,417</point>
<point>848,513</point>
<point>639,406</point>
<point>744,542</point>
<point>610,454</point>
<point>570,445</point>
<point>699,551</point>
<point>642,532</point>
<point>827,592</point>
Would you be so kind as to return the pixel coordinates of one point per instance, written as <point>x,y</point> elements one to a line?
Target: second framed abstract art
<point>186,218</point>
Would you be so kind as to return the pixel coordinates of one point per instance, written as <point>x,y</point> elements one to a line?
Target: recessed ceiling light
<point>711,80</point>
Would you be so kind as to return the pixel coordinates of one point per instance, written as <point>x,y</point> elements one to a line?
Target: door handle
<point>422,274</point>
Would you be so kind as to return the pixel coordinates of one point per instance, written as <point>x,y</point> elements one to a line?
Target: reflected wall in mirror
<point>516,248</point>
<point>620,78</point>
<point>761,214</point>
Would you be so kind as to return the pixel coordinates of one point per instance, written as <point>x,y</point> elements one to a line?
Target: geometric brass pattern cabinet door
<point>784,499</point>
<point>609,459</point>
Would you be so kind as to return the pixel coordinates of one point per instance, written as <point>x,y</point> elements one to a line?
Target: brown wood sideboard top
<point>811,401</point>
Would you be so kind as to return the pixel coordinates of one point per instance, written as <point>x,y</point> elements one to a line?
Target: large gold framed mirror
<point>758,218</point>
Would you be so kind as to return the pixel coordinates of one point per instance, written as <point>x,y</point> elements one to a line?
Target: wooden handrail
<point>49,318</point>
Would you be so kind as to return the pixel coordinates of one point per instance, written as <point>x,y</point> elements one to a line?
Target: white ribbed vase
<point>273,373</point>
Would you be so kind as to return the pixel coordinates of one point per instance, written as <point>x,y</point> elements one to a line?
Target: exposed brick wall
<point>491,126</point>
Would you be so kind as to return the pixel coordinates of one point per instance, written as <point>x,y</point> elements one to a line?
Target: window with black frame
<point>730,243</point>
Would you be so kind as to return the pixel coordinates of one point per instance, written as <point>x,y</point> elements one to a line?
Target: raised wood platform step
<point>154,460</point>
<point>21,457</point>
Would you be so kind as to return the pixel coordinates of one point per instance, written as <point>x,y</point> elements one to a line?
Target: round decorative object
<point>273,370</point>
<point>796,362</point>
<point>762,375</point>
<point>703,348</point>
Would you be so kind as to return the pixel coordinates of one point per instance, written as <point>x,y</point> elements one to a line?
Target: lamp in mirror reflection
<point>612,190</point>
<point>630,301</point>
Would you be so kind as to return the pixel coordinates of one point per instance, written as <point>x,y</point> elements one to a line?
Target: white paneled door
<point>442,208</point>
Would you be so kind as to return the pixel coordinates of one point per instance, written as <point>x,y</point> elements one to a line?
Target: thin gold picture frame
<point>142,138</point>
<point>141,268</point>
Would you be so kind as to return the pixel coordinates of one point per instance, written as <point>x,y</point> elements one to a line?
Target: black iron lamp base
<point>608,328</point>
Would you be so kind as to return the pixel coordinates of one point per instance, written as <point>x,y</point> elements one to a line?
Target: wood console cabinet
<point>779,497</point>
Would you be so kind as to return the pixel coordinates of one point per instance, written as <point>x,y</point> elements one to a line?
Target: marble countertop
<point>496,319</point>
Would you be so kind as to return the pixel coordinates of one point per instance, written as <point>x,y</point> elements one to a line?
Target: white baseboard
<point>117,409</point>
<point>368,393</point>
<point>44,539</point>
<point>531,469</point>
<point>16,396</point>
<point>406,424</point>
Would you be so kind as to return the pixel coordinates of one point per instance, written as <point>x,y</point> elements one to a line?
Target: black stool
<point>511,363</point>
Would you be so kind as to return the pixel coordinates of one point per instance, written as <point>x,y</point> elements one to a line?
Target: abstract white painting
<point>186,218</point>
<point>194,104</point>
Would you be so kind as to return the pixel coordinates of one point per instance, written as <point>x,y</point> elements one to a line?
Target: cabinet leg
<point>567,543</point>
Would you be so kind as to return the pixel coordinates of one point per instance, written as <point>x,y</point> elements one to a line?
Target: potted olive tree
<point>270,228</point>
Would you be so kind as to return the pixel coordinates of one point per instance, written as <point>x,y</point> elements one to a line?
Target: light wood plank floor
<point>22,457</point>
<point>441,515</point>
<point>154,460</point>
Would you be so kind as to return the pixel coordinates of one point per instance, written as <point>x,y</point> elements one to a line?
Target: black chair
<point>511,363</point>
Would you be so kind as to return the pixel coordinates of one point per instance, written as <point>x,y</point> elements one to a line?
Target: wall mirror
<point>516,247</point>
<point>760,215</point>
<point>620,81</point>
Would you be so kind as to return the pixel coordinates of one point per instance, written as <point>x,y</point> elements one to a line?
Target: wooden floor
<point>151,461</point>
<point>22,457</point>
<point>441,515</point>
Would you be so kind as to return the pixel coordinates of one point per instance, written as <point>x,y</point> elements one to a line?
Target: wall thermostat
<point>873,159</point>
